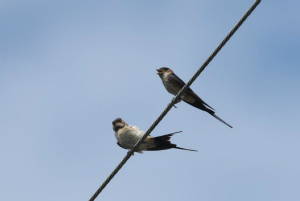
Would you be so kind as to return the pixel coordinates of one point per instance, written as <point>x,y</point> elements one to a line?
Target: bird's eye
<point>120,121</point>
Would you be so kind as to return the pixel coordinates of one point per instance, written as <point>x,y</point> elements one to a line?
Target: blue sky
<point>69,68</point>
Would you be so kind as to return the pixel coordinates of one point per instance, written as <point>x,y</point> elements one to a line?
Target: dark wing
<point>177,81</point>
<point>192,93</point>
<point>189,91</point>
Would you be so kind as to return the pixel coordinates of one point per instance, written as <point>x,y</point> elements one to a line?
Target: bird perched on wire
<point>127,136</point>
<point>173,84</point>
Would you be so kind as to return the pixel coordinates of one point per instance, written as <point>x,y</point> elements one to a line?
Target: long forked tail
<point>221,120</point>
<point>202,106</point>
<point>163,143</point>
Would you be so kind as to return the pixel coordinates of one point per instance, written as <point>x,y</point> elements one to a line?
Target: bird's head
<point>164,71</point>
<point>118,123</point>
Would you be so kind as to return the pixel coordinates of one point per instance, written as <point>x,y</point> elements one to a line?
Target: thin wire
<point>174,100</point>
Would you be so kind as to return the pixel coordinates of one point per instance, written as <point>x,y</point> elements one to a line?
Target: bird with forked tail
<point>173,84</point>
<point>127,136</point>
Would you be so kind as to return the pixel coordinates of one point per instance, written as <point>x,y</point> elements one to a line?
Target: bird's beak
<point>159,71</point>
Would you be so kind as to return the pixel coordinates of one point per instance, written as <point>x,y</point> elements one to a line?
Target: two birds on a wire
<point>127,136</point>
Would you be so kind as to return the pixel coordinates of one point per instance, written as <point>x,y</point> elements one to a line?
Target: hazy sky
<point>69,68</point>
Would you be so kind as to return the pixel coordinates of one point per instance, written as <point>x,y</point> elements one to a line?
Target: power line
<point>175,99</point>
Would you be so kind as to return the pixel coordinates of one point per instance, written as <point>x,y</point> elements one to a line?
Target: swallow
<point>127,136</point>
<point>173,84</point>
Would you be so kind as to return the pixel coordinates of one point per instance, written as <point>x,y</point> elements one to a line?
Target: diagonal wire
<point>175,99</point>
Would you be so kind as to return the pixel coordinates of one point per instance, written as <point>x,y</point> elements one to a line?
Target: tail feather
<point>185,149</point>
<point>163,143</point>
<point>211,112</point>
<point>221,120</point>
